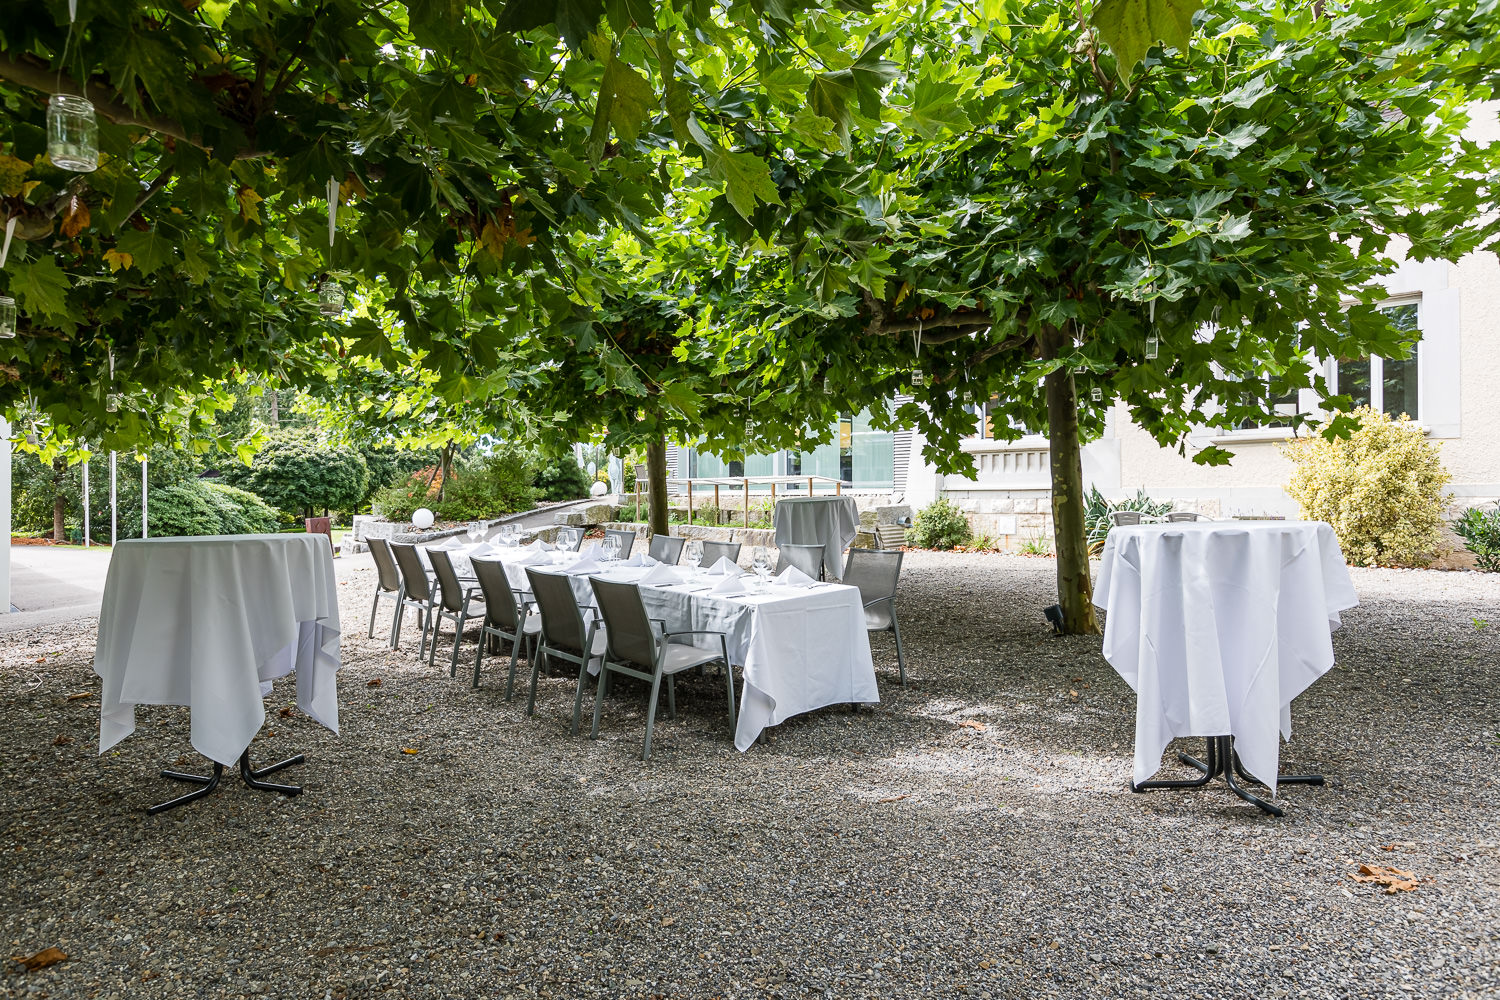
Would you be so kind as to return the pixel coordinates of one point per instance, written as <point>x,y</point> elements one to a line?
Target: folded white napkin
<point>730,586</point>
<point>661,575</point>
<point>537,545</point>
<point>448,544</point>
<point>593,551</point>
<point>529,557</point>
<point>485,550</point>
<point>640,559</point>
<point>793,577</point>
<point>587,566</point>
<point>725,567</point>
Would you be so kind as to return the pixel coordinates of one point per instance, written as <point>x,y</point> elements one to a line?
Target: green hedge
<point>201,507</point>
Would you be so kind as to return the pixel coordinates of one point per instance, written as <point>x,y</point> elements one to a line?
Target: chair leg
<point>583,672</point>
<point>437,626</point>
<point>599,700</point>
<point>729,679</point>
<point>900,658</point>
<point>424,617</point>
<point>536,665</point>
<point>651,715</point>
<point>396,623</point>
<point>515,647</point>
<point>484,636</point>
<point>374,609</point>
<point>458,633</point>
<point>672,697</point>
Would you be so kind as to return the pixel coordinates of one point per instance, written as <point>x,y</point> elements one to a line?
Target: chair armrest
<point>673,635</point>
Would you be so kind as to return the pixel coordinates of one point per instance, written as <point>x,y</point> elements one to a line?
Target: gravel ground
<point>973,836</point>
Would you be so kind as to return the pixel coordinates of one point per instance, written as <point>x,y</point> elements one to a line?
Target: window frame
<point>1377,364</point>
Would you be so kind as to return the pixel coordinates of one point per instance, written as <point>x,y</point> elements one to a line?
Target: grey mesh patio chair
<point>416,592</point>
<point>564,634</point>
<point>807,558</point>
<point>876,572</point>
<point>714,551</point>
<point>570,538</point>
<point>387,584</point>
<point>454,603</point>
<point>507,616</point>
<point>1124,517</point>
<point>666,548</point>
<point>635,648</point>
<point>1185,515</point>
<point>627,540</point>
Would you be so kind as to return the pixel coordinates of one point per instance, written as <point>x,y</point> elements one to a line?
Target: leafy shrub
<point>1097,511</point>
<point>389,465</point>
<point>563,479</point>
<point>496,484</point>
<point>34,486</point>
<point>1480,530</point>
<point>1381,489</point>
<point>397,501</point>
<point>940,525</point>
<point>296,471</point>
<point>201,507</point>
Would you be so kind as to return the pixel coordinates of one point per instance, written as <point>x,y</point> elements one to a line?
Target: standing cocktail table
<point>208,623</point>
<point>1217,626</point>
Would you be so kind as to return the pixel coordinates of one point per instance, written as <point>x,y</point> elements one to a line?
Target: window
<point>1381,383</point>
<point>1279,409</point>
<point>987,417</point>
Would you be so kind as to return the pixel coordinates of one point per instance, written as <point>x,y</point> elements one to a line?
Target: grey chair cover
<point>807,558</point>
<point>714,551</point>
<point>416,592</point>
<point>387,583</point>
<point>453,603</point>
<point>627,540</point>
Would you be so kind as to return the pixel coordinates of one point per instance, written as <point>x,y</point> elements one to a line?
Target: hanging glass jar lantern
<point>918,378</point>
<point>112,402</point>
<point>72,133</point>
<point>1096,394</point>
<point>330,298</point>
<point>1153,347</point>
<point>7,317</point>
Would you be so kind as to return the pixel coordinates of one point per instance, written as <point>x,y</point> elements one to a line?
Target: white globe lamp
<point>598,489</point>
<point>422,518</point>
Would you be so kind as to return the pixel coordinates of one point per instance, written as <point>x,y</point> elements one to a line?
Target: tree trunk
<point>446,468</point>
<point>656,479</point>
<point>275,411</point>
<point>59,501</point>
<point>1070,539</point>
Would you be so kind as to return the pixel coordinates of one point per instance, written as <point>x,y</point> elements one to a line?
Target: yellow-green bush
<point>1381,489</point>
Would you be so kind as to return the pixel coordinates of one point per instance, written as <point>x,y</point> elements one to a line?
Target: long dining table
<point>801,647</point>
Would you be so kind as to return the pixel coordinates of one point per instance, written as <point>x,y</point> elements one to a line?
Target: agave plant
<point>1097,511</point>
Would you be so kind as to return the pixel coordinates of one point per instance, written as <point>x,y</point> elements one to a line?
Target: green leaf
<point>683,398</point>
<point>150,249</point>
<point>625,99</point>
<point>828,97</point>
<point>1131,27</point>
<point>747,179</point>
<point>935,108</point>
<point>40,287</point>
<point>623,13</point>
<point>817,130</point>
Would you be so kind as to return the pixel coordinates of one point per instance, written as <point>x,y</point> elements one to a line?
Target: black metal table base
<point>250,776</point>
<point>1221,759</point>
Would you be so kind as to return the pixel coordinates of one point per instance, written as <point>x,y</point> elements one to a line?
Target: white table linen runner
<point>1217,626</point>
<point>207,623</point>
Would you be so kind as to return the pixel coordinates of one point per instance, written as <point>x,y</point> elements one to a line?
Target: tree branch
<point>161,181</point>
<point>35,75</point>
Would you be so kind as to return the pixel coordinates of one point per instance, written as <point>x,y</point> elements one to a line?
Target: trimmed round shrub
<point>297,472</point>
<point>1381,488</point>
<point>199,507</point>
<point>563,479</point>
<point>940,525</point>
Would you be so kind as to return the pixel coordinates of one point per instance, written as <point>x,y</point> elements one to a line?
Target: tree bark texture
<point>656,480</point>
<point>59,502</point>
<point>1070,538</point>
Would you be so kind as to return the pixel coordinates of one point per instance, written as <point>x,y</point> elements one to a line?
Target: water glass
<point>761,563</point>
<point>692,554</point>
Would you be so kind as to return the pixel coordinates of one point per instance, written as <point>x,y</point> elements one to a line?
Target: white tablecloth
<point>827,521</point>
<point>207,623</point>
<point>1217,626</point>
<point>801,648</point>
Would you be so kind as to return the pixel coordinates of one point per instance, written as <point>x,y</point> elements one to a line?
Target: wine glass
<point>692,553</point>
<point>611,549</point>
<point>761,564</point>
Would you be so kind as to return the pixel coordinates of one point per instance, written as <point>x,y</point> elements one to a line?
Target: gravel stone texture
<point>972,836</point>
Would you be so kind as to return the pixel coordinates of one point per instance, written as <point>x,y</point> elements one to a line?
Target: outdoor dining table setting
<point>802,643</point>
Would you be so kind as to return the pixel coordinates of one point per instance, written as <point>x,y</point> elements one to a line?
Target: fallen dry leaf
<point>668,921</point>
<point>62,740</point>
<point>81,694</point>
<point>285,713</point>
<point>374,683</point>
<point>1072,694</point>
<point>1387,847</point>
<point>893,798</point>
<point>410,750</point>
<point>971,724</point>
<point>1393,879</point>
<point>42,959</point>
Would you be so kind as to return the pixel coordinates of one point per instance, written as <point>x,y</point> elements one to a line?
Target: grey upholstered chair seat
<point>680,656</point>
